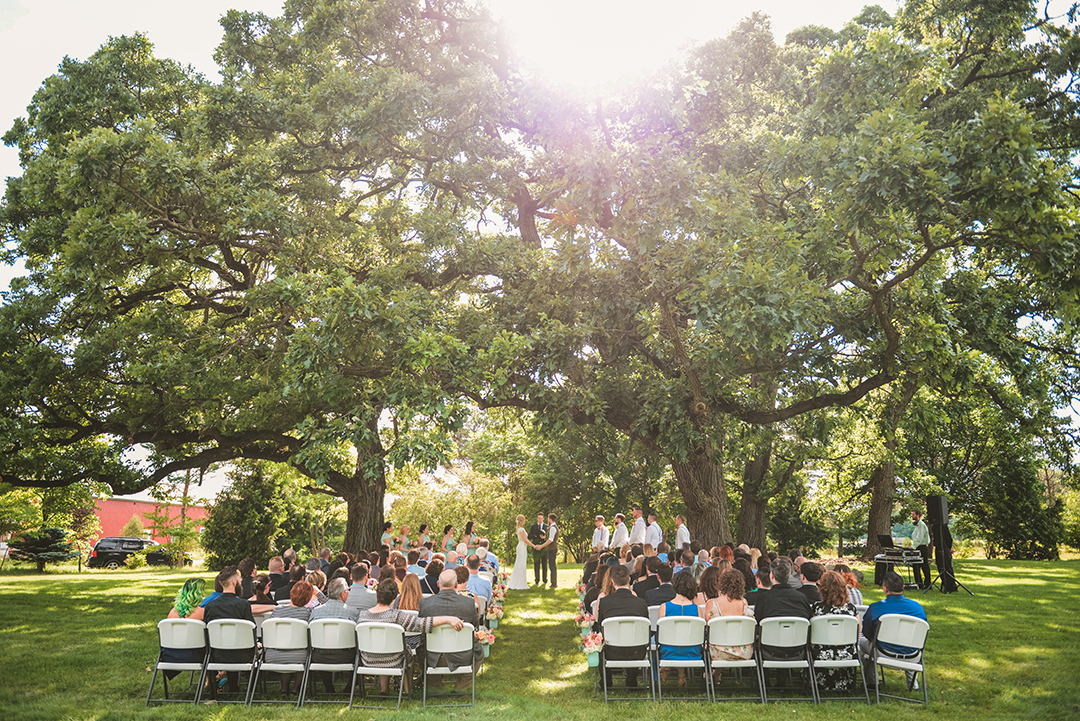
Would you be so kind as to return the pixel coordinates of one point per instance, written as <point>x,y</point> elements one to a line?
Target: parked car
<point>113,551</point>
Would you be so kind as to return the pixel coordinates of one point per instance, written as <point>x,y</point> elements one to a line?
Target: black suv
<point>113,551</point>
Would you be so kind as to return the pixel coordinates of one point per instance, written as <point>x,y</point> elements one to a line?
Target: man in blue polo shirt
<point>894,602</point>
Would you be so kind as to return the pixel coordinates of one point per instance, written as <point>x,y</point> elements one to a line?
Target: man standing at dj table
<point>920,538</point>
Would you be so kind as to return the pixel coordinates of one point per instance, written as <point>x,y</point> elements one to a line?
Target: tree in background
<point>45,546</point>
<point>245,517</point>
<point>85,529</point>
<point>181,533</point>
<point>134,528</point>
<point>1013,515</point>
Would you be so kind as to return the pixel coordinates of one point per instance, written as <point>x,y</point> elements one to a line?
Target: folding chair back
<point>909,632</point>
<point>834,630</point>
<point>284,634</point>
<point>626,631</point>
<point>179,634</point>
<point>444,639</point>
<point>900,630</point>
<point>784,631</point>
<point>838,630</point>
<point>379,637</point>
<point>654,616</point>
<point>332,633</point>
<point>681,631</point>
<point>733,631</point>
<point>231,634</point>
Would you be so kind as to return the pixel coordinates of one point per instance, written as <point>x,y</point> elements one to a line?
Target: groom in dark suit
<point>537,536</point>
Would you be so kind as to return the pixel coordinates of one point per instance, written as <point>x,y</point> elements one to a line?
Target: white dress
<point>519,578</point>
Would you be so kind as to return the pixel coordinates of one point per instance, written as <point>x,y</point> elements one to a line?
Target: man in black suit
<point>621,602</point>
<point>664,592</point>
<point>537,536</point>
<point>642,587</point>
<point>782,600</point>
<point>811,573</point>
<point>448,602</point>
<point>230,605</point>
<point>278,577</point>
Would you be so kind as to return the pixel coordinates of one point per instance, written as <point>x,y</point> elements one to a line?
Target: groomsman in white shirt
<point>653,533</point>
<point>619,536</point>
<point>600,536</point>
<point>682,535</point>
<point>637,533</point>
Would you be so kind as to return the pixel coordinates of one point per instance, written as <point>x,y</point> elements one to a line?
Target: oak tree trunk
<point>364,494</point>
<point>701,483</point>
<point>882,491</point>
<point>751,523</point>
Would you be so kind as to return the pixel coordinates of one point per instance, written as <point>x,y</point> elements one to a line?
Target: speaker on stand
<point>937,511</point>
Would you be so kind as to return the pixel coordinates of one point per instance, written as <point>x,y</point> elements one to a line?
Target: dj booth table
<point>893,557</point>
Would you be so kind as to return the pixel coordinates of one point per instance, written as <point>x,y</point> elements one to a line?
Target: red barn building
<point>114,513</point>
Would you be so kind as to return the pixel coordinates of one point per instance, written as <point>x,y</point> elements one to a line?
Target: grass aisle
<point>78,646</point>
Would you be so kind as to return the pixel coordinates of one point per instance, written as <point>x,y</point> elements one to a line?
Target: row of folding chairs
<point>288,634</point>
<point>792,636</point>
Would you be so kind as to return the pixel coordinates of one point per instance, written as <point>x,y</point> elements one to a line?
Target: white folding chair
<point>904,631</point>
<point>179,634</point>
<point>790,633</point>
<point>842,632</point>
<point>378,637</point>
<point>488,575</point>
<point>622,632</point>
<point>284,602</point>
<point>861,610</point>
<point>734,631</point>
<point>282,634</point>
<point>230,634</point>
<point>654,616</point>
<point>681,631</point>
<point>595,605</point>
<point>444,640</point>
<point>329,634</point>
<point>259,619</point>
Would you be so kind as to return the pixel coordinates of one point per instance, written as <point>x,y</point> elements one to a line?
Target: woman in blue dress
<point>686,589</point>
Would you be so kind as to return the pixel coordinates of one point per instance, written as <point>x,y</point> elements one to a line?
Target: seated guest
<point>360,596</point>
<point>401,564</point>
<point>413,563</point>
<point>607,588</point>
<point>686,561</point>
<point>451,560</point>
<point>764,583</point>
<point>650,581</point>
<point>247,577</point>
<point>374,567</point>
<point>301,593</point>
<point>186,605</point>
<point>708,587</point>
<point>894,602</point>
<point>462,575</point>
<point>665,591</point>
<point>318,580</point>
<point>621,602</point>
<point>476,583</point>
<point>782,600</point>
<point>686,589</point>
<point>278,577</point>
<point>187,601</point>
<point>597,586</point>
<point>429,584</point>
<point>491,558</point>
<point>810,573</point>
<point>336,606</point>
<point>854,594</point>
<point>288,560</point>
<point>764,566</point>
<point>701,564</point>
<point>409,598</point>
<point>834,600</point>
<point>590,568</point>
<point>230,605</point>
<point>730,601</point>
<point>296,574</point>
<point>261,589</point>
<point>662,551</point>
<point>448,603</point>
<point>742,565</point>
<point>383,610</point>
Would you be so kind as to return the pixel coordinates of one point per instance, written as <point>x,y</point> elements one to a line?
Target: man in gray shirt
<point>360,596</point>
<point>335,607</point>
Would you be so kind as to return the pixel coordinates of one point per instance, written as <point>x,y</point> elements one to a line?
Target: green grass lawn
<point>79,646</point>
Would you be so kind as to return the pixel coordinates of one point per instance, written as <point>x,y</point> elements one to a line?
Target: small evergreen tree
<point>245,518</point>
<point>44,546</point>
<point>133,528</point>
<point>1012,514</point>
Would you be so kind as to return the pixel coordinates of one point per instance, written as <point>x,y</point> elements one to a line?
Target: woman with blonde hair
<point>411,593</point>
<point>519,580</point>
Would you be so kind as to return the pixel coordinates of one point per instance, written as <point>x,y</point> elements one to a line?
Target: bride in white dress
<point>519,578</point>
